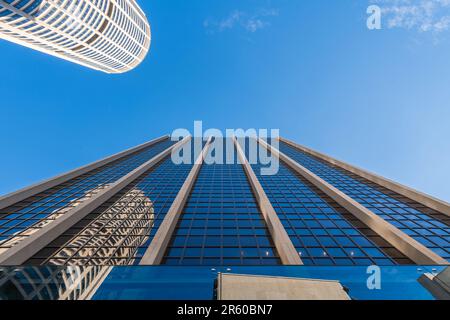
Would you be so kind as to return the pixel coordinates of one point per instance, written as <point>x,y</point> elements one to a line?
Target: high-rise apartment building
<point>143,207</point>
<point>108,35</point>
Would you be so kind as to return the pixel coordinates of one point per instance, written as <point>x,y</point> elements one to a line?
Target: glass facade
<point>175,283</point>
<point>28,216</point>
<point>427,226</point>
<point>50,283</point>
<point>26,6</point>
<point>119,231</point>
<point>323,232</point>
<point>112,36</point>
<point>221,223</point>
<point>167,282</point>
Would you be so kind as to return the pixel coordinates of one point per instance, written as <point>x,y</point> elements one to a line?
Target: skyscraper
<point>108,35</point>
<point>143,207</point>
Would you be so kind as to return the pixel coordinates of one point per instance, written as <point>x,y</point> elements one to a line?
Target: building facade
<point>112,36</point>
<point>51,283</point>
<point>141,207</point>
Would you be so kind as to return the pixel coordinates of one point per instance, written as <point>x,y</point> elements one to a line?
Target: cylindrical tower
<point>109,35</point>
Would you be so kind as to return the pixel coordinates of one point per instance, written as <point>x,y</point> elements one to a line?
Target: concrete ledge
<point>24,250</point>
<point>17,196</point>
<point>412,249</point>
<point>427,200</point>
<point>285,248</point>
<point>157,248</point>
<point>250,287</point>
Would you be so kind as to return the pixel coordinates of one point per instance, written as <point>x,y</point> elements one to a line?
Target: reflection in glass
<point>51,283</point>
<point>113,237</point>
<point>26,217</point>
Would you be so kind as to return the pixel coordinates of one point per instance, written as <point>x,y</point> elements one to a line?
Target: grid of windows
<point>119,231</point>
<point>49,283</point>
<point>427,226</point>
<point>28,216</point>
<point>221,223</point>
<point>26,6</point>
<point>323,232</point>
<point>112,36</point>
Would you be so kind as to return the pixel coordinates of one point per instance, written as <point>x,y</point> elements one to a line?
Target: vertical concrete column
<point>23,194</point>
<point>24,250</point>
<point>415,195</point>
<point>285,248</point>
<point>155,252</point>
<point>398,239</point>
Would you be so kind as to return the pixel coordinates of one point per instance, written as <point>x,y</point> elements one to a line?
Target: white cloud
<point>420,15</point>
<point>240,19</point>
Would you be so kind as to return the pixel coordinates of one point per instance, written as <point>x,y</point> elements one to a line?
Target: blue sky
<point>377,99</point>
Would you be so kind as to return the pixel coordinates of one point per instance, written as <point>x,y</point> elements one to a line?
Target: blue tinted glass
<point>45,207</point>
<point>221,222</point>
<point>319,228</point>
<point>406,214</point>
<point>129,231</point>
